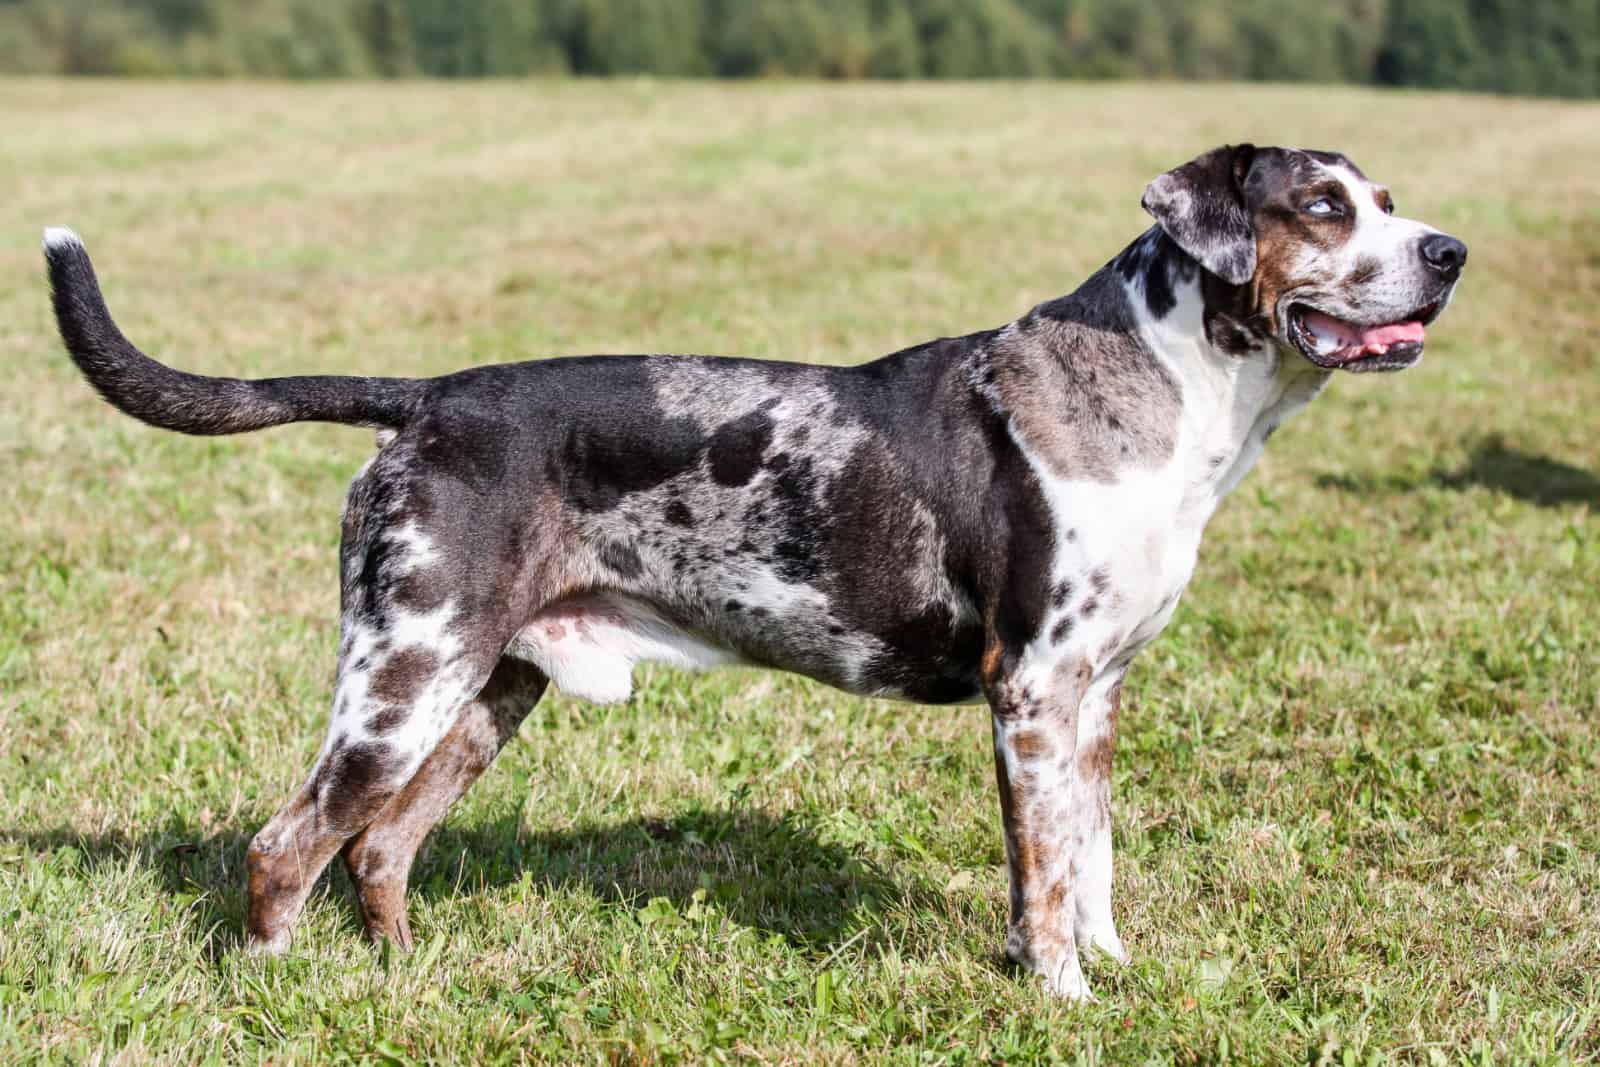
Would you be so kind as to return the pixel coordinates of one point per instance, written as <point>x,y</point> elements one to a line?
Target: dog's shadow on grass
<point>771,874</point>
<point>1493,464</point>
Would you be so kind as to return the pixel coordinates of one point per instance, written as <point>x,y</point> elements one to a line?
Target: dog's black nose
<point>1444,254</point>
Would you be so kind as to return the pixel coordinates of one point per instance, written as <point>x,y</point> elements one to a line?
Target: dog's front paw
<point>273,944</point>
<point>1100,938</point>
<point>1058,967</point>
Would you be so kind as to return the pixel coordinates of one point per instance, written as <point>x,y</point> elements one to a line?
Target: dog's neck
<point>1239,382</point>
<point>1149,364</point>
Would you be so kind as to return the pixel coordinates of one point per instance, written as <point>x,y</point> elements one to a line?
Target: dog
<point>1006,517</point>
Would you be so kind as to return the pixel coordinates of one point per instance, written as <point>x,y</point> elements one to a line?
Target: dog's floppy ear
<point>1201,206</point>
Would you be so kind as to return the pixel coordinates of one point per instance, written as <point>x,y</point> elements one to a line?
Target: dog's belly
<point>589,644</point>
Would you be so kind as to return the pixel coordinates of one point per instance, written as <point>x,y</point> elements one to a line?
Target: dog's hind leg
<point>424,622</point>
<point>379,858</point>
<point>396,700</point>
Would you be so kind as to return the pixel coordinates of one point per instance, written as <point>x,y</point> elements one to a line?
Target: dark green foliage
<point>1542,47</point>
<point>1547,48</point>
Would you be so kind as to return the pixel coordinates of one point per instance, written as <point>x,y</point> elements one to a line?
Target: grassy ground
<point>1357,790</point>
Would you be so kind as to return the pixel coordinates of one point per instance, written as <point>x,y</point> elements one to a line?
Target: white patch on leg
<point>1093,927</point>
<point>431,710</point>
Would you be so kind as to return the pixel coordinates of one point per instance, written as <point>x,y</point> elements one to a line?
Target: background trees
<point>1549,47</point>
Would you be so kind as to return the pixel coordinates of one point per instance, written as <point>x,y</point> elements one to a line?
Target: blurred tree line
<point>1547,47</point>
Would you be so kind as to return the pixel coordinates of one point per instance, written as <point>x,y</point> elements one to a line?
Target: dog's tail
<point>192,403</point>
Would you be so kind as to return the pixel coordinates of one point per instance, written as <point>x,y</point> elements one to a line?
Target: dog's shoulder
<point>1080,386</point>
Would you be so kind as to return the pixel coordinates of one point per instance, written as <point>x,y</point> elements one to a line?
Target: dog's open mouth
<point>1336,343</point>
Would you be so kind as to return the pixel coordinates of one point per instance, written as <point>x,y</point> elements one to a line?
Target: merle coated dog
<point>1008,516</point>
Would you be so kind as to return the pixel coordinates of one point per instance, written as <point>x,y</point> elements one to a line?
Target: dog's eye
<point>1322,208</point>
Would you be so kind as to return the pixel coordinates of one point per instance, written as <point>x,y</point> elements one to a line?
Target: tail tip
<point>60,238</point>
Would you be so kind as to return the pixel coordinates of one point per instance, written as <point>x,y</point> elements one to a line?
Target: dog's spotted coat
<point>1008,516</point>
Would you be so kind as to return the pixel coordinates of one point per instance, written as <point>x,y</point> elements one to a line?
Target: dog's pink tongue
<point>1374,338</point>
<point>1392,334</point>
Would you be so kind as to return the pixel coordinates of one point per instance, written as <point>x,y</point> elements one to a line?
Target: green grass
<point>1358,790</point>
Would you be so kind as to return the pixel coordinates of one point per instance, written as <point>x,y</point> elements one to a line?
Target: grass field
<point>1358,791</point>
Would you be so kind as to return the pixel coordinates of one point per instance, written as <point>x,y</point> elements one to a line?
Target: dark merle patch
<point>473,444</point>
<point>420,592</point>
<point>350,787</point>
<point>389,719</point>
<point>1228,335</point>
<point>1061,631</point>
<point>737,447</point>
<point>802,525</point>
<point>402,675</point>
<point>604,453</point>
<point>733,605</point>
<point>369,561</point>
<point>1158,265</point>
<point>678,514</point>
<point>882,552</point>
<point>599,470</point>
<point>1089,607</point>
<point>1061,593</point>
<point>622,558</point>
<point>1024,601</point>
<point>1016,707</point>
<point>1334,159</point>
<point>1100,579</point>
<point>1158,295</point>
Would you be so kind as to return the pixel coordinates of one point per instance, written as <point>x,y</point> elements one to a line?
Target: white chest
<point>1126,549</point>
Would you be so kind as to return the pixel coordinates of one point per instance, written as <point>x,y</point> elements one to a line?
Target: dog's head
<point>1320,260</point>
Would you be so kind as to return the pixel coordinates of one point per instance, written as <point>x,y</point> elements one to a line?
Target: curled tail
<point>192,403</point>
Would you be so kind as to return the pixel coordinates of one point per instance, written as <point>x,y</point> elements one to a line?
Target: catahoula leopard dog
<point>1008,516</point>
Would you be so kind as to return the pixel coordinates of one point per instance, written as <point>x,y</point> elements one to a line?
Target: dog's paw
<point>275,944</point>
<point>1066,981</point>
<point>1100,939</point>
<point>1060,970</point>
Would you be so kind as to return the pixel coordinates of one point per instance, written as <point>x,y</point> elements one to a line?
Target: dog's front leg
<point>1094,929</point>
<point>1035,711</point>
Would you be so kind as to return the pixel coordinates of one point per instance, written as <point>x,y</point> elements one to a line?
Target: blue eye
<point>1323,207</point>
